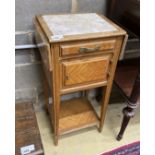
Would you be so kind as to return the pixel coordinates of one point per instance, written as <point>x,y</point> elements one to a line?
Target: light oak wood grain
<point>86,70</point>
<point>95,46</point>
<point>79,63</point>
<point>72,117</point>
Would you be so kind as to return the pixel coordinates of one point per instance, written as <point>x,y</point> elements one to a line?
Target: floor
<point>89,141</point>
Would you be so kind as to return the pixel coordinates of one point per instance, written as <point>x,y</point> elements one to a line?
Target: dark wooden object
<point>26,130</point>
<point>126,13</point>
<point>128,81</point>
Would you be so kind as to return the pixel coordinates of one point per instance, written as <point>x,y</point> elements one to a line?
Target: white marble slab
<point>74,24</point>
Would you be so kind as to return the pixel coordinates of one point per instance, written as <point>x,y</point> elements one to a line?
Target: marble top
<point>74,24</point>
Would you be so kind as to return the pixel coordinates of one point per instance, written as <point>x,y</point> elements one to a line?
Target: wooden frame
<point>113,43</point>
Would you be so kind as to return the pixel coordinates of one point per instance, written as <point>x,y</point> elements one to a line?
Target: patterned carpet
<point>130,149</point>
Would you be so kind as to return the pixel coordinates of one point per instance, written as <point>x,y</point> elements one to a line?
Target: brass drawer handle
<point>87,50</point>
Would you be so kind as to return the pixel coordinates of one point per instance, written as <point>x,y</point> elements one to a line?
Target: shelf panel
<point>75,114</point>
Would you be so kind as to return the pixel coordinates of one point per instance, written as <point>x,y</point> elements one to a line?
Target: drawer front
<point>85,71</point>
<point>87,47</point>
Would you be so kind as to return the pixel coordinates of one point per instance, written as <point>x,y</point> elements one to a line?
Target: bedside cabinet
<point>79,52</point>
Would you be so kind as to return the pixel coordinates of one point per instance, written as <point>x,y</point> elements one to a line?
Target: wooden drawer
<point>87,47</point>
<point>85,71</point>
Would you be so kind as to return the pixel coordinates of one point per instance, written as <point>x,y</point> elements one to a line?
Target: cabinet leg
<point>129,110</point>
<point>56,140</point>
<point>56,110</point>
<point>128,113</point>
<point>46,93</point>
<point>56,102</point>
<point>104,103</point>
<point>55,90</point>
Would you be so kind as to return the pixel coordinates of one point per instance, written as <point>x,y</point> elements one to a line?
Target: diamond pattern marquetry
<point>86,71</point>
<point>72,117</point>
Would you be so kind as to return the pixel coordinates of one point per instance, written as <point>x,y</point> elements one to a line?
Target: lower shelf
<point>76,114</point>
